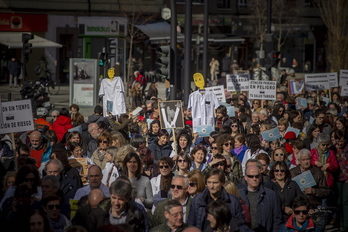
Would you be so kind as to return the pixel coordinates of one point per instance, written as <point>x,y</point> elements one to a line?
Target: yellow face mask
<point>111,73</point>
<point>199,80</point>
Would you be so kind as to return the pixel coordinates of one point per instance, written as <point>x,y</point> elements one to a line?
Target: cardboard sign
<point>264,90</point>
<point>333,79</point>
<point>204,130</point>
<point>344,78</point>
<point>305,180</point>
<point>317,81</point>
<point>73,208</point>
<point>301,102</point>
<point>231,111</point>
<point>238,82</point>
<point>219,92</point>
<point>271,135</point>
<point>17,116</point>
<point>171,115</point>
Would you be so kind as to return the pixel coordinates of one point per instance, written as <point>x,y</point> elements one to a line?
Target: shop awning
<point>14,40</point>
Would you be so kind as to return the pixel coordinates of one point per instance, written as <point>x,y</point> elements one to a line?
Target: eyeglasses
<point>104,141</point>
<point>193,184</point>
<point>175,215</point>
<point>50,207</point>
<point>228,166</point>
<point>280,111</point>
<point>277,170</point>
<point>253,176</point>
<point>164,166</point>
<point>228,144</point>
<point>297,212</point>
<point>219,164</point>
<point>325,145</point>
<point>182,161</point>
<point>234,125</point>
<point>179,187</point>
<point>214,148</point>
<point>256,103</point>
<point>280,154</point>
<point>29,179</point>
<point>241,99</point>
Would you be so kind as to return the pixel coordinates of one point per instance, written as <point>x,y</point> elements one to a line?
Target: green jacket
<point>165,228</point>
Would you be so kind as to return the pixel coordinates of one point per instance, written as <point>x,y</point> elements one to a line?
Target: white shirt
<point>248,156</point>
<point>87,189</point>
<point>202,106</point>
<point>110,170</point>
<point>113,91</point>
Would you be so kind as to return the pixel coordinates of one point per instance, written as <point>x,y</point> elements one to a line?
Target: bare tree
<point>334,14</point>
<point>258,20</point>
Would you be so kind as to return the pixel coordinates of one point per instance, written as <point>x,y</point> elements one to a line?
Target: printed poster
<point>204,130</point>
<point>171,115</point>
<point>317,81</point>
<point>305,180</point>
<point>271,135</point>
<point>263,90</point>
<point>239,82</point>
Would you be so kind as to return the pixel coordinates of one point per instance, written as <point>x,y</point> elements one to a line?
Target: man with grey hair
<point>319,191</point>
<point>91,140</point>
<point>174,215</point>
<point>49,185</point>
<point>265,118</point>
<point>179,193</point>
<point>119,209</point>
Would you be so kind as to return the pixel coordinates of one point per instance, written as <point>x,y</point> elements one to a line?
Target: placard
<point>305,180</point>
<point>344,91</point>
<point>17,116</point>
<point>219,92</point>
<point>326,100</point>
<point>171,115</point>
<point>109,105</point>
<point>74,206</point>
<point>344,78</point>
<point>81,165</point>
<point>296,86</point>
<point>296,131</point>
<point>239,82</point>
<point>333,80</point>
<point>76,128</point>
<point>317,81</point>
<point>263,90</point>
<point>271,135</point>
<point>231,111</point>
<point>204,130</point>
<point>301,103</point>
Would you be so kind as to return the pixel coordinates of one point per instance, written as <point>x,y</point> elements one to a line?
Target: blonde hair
<point>121,141</point>
<point>231,188</point>
<point>121,154</point>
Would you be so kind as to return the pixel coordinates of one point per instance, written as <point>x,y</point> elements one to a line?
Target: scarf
<point>300,229</point>
<point>238,150</point>
<point>165,184</point>
<point>100,154</point>
<point>322,155</point>
<point>59,225</point>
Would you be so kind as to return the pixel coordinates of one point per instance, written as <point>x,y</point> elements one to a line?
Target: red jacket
<point>61,126</point>
<point>333,165</point>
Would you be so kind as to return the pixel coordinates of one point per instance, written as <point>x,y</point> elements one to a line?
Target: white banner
<point>238,82</point>
<point>333,80</point>
<point>317,81</point>
<point>219,92</point>
<point>17,116</point>
<point>263,90</point>
<point>344,78</point>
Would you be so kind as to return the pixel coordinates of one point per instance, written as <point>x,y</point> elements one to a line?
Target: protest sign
<point>333,79</point>
<point>17,116</point>
<point>171,115</point>
<point>317,81</point>
<point>296,86</point>
<point>295,130</point>
<point>239,82</point>
<point>301,103</point>
<point>231,111</point>
<point>219,92</point>
<point>343,78</point>
<point>344,91</point>
<point>305,180</point>
<point>271,135</point>
<point>265,90</point>
<point>204,130</point>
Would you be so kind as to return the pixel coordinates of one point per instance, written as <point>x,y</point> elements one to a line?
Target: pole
<point>205,41</point>
<point>172,53</point>
<point>269,40</point>
<point>188,38</point>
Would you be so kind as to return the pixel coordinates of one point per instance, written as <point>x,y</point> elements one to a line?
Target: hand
<point>324,167</point>
<point>141,199</point>
<point>110,114</point>
<point>308,191</point>
<point>288,210</point>
<point>215,161</point>
<point>318,164</point>
<point>175,157</point>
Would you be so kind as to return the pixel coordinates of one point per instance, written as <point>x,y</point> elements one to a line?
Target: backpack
<point>37,69</point>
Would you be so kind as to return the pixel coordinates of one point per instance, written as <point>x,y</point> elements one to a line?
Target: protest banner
<point>219,92</point>
<point>239,82</point>
<point>317,81</point>
<point>344,91</point>
<point>264,90</point>
<point>305,180</point>
<point>333,79</point>
<point>271,134</point>
<point>171,115</point>
<point>17,116</point>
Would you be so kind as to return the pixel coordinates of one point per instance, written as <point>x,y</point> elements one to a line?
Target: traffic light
<point>102,58</point>
<point>26,49</point>
<point>274,56</point>
<point>163,60</point>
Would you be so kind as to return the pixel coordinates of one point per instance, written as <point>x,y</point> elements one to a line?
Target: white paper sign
<point>317,81</point>
<point>333,80</point>
<point>263,90</point>
<point>238,82</point>
<point>344,91</point>
<point>17,116</point>
<point>219,92</point>
<point>344,79</point>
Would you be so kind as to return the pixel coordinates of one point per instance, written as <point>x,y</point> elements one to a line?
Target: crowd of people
<point>130,174</point>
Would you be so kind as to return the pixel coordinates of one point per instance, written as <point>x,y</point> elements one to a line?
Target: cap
<point>290,135</point>
<point>41,112</point>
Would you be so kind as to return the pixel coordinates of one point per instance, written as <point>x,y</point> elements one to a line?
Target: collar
<point>123,213</point>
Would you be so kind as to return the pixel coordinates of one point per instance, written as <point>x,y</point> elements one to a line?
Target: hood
<point>63,120</point>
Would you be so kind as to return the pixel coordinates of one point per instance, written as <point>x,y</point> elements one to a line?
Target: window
<point>223,4</point>
<point>242,3</point>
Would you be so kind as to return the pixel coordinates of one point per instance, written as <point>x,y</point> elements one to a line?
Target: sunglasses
<point>281,154</point>
<point>234,125</point>
<point>219,164</point>
<point>179,187</point>
<point>193,184</point>
<point>164,166</point>
<point>277,170</point>
<point>280,111</point>
<point>51,207</point>
<point>228,144</point>
<point>104,141</point>
<point>228,166</point>
<point>182,161</point>
<point>325,145</point>
<point>256,103</point>
<point>297,212</point>
<point>253,176</point>
<point>214,148</point>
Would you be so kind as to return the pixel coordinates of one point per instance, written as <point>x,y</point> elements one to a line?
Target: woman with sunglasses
<point>57,221</point>
<point>161,183</point>
<point>237,128</point>
<point>256,106</point>
<point>324,158</point>
<point>300,219</point>
<point>98,156</point>
<point>182,164</point>
<point>278,154</point>
<point>278,112</point>
<point>284,186</point>
<point>196,182</point>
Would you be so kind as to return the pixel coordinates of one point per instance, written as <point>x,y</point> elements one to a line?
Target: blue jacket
<point>269,212</point>
<point>198,215</point>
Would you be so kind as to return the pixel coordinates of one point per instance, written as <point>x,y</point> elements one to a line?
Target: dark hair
<point>51,136</point>
<point>253,142</point>
<point>221,213</point>
<point>23,190</point>
<point>23,147</point>
<point>45,200</point>
<point>223,139</point>
<point>300,201</point>
<point>171,204</point>
<point>342,120</point>
<point>293,114</point>
<point>73,145</point>
<point>283,166</point>
<point>24,171</point>
<point>121,188</point>
<point>256,129</point>
<point>44,219</point>
<point>162,132</point>
<point>215,171</point>
<point>145,155</point>
<point>187,137</point>
<point>223,110</point>
<point>186,157</point>
<point>64,111</point>
<point>276,110</point>
<point>264,157</point>
<point>128,157</point>
<point>154,122</point>
<point>312,128</point>
<point>98,109</point>
<point>62,155</point>
<point>72,134</point>
<point>102,125</point>
<point>240,126</point>
<point>317,112</point>
<point>167,160</point>
<point>225,130</point>
<point>137,140</point>
<point>219,156</point>
<point>74,106</point>
<point>298,143</point>
<point>198,148</point>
